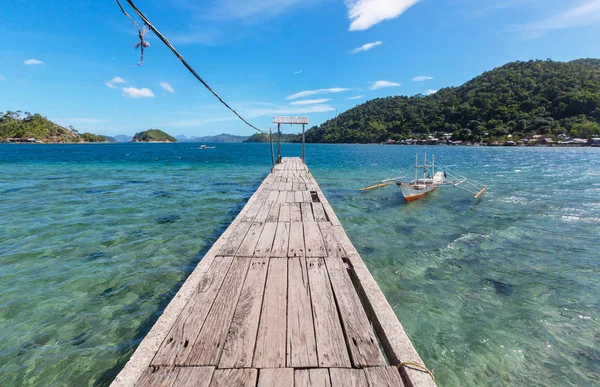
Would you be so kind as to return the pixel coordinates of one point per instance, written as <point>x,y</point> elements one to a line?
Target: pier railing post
<point>303,143</point>
<point>278,143</point>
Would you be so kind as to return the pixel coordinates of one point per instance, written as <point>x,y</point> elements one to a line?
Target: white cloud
<point>297,72</point>
<point>308,93</point>
<point>422,78</point>
<point>133,92</point>
<point>34,62</point>
<point>382,84</point>
<point>310,102</point>
<point>357,97</point>
<point>114,82</point>
<point>366,47</point>
<point>364,14</point>
<point>585,14</point>
<point>431,91</point>
<point>167,87</point>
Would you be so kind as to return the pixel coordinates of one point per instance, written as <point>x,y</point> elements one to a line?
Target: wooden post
<point>278,143</point>
<point>271,141</point>
<point>303,143</point>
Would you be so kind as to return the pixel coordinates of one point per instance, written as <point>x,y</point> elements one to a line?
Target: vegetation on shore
<point>153,135</point>
<point>264,137</point>
<point>16,124</point>
<point>514,101</point>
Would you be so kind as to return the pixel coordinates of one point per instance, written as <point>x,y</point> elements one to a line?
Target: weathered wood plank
<point>298,196</point>
<point>161,377</point>
<point>236,238</point>
<point>307,213</point>
<point>383,376</point>
<point>319,212</point>
<point>331,346</point>
<point>364,348</point>
<point>276,377</point>
<point>314,241</point>
<point>194,376</point>
<point>281,241</point>
<point>253,210</point>
<point>184,331</point>
<point>333,247</point>
<point>273,195</point>
<point>282,196</point>
<point>307,196</point>
<point>248,245</point>
<point>270,341</point>
<point>296,243</point>
<point>314,377</point>
<point>241,337</point>
<point>264,212</point>
<point>301,345</point>
<point>289,186</point>
<point>265,241</point>
<point>295,213</point>
<point>206,349</point>
<point>290,198</point>
<point>284,212</point>
<point>273,215</point>
<point>245,377</point>
<point>348,377</point>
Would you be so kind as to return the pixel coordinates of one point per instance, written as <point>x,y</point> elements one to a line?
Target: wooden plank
<point>319,212</point>
<point>264,212</point>
<point>296,243</point>
<point>302,186</point>
<point>281,241</point>
<point>383,376</point>
<point>290,198</point>
<point>206,349</point>
<point>307,213</point>
<point>332,245</point>
<point>273,215</point>
<point>295,184</point>
<point>307,196</point>
<point>295,214</point>
<point>245,377</point>
<point>298,196</point>
<point>282,196</point>
<point>248,245</point>
<point>331,346</point>
<point>301,345</point>
<point>159,377</point>
<point>314,241</point>
<point>184,331</point>
<point>364,348</point>
<point>241,337</point>
<point>235,239</point>
<point>270,341</point>
<point>265,241</point>
<point>273,195</point>
<point>347,377</point>
<point>253,210</point>
<point>289,185</point>
<point>276,377</point>
<point>314,377</point>
<point>194,376</point>
<point>284,212</point>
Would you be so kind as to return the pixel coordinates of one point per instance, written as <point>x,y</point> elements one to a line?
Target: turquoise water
<point>96,239</point>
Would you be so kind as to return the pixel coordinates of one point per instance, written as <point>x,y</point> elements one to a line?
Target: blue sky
<point>75,62</point>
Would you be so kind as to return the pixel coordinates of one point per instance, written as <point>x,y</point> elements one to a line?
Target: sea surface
<point>505,290</point>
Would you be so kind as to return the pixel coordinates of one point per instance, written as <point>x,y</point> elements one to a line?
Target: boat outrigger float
<point>430,181</point>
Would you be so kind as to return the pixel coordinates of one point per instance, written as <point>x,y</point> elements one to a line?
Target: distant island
<point>535,101</point>
<point>223,137</point>
<point>153,135</point>
<point>264,137</point>
<point>25,127</point>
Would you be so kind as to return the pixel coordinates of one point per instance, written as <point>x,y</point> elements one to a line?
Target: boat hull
<point>411,193</point>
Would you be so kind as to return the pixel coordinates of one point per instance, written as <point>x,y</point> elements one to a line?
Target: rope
<point>176,53</point>
<point>421,366</point>
<point>141,32</point>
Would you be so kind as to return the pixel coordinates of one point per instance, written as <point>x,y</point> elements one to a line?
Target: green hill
<point>519,98</point>
<point>153,135</point>
<point>26,125</point>
<point>263,137</point>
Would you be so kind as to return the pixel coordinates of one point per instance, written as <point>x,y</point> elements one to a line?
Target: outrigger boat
<point>430,181</point>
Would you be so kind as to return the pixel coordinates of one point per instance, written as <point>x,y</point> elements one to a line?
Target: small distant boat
<point>430,181</point>
<point>206,147</point>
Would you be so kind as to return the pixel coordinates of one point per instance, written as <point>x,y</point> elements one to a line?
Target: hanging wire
<point>142,44</point>
<point>168,44</point>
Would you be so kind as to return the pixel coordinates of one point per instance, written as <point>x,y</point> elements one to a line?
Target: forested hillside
<point>519,98</point>
<point>153,135</point>
<point>16,124</point>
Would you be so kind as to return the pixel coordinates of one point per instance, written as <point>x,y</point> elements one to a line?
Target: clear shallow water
<point>96,239</point>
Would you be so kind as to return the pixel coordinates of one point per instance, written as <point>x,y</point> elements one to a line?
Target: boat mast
<point>432,166</point>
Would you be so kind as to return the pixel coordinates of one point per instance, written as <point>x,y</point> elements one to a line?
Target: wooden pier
<point>281,299</point>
